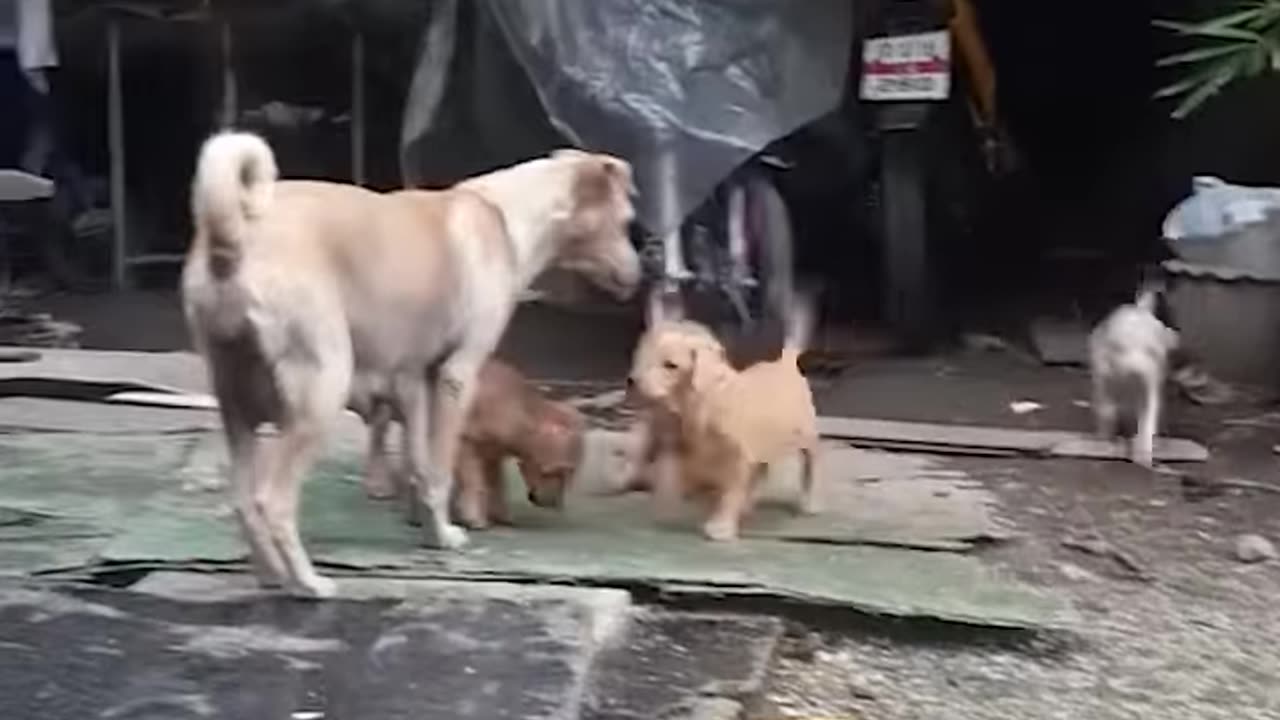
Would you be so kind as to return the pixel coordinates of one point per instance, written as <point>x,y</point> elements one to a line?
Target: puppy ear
<point>619,172</point>
<point>704,366</point>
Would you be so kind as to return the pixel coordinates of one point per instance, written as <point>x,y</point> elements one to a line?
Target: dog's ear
<point>619,173</point>
<point>705,363</point>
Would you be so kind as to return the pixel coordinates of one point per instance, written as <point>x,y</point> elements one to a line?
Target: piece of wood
<point>978,440</point>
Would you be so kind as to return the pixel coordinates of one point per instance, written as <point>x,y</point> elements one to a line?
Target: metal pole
<point>357,109</point>
<point>229,100</point>
<point>115,143</point>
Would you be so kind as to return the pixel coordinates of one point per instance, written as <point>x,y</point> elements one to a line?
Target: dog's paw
<point>446,536</point>
<point>318,587</point>
<point>720,531</point>
<point>1144,457</point>
<point>379,487</point>
<point>807,505</point>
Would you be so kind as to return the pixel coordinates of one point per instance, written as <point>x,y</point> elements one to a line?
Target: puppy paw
<point>807,505</point>
<point>446,536</point>
<point>473,522</point>
<point>316,588</point>
<point>720,531</point>
<point>379,488</point>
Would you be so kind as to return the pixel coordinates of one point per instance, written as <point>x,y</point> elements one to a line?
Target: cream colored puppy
<point>305,297</point>
<point>714,430</point>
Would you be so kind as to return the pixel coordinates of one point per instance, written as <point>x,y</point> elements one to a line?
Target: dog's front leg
<point>431,472</point>
<point>731,505</point>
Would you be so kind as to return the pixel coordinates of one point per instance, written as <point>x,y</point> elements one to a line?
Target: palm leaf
<point>1206,90</point>
<point>1202,54</point>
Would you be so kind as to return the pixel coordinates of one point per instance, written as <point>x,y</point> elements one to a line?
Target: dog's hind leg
<point>246,466</point>
<point>313,392</point>
<point>1105,411</point>
<point>292,455</point>
<point>1148,420</point>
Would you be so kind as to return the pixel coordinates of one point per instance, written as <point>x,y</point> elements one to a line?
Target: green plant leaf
<point>1203,53</point>
<point>1205,91</point>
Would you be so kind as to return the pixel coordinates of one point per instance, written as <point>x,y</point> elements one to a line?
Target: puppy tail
<point>801,321</point>
<point>235,177</point>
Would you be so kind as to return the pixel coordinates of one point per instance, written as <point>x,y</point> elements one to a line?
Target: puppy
<point>723,426</point>
<point>510,418</point>
<point>1129,354</point>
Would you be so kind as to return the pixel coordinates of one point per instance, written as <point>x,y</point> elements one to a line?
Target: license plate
<point>907,67</point>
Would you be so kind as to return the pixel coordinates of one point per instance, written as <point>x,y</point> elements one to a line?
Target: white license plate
<point>907,67</point>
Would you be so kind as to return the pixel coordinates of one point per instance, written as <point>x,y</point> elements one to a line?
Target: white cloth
<point>37,48</point>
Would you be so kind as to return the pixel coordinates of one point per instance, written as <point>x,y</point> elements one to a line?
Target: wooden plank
<point>1027,441</point>
<point>979,440</point>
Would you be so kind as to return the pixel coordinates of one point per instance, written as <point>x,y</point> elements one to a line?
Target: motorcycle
<point>731,263</point>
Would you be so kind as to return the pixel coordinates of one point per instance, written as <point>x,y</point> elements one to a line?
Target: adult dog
<point>305,297</point>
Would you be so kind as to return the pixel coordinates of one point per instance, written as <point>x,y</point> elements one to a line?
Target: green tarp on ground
<point>69,499</point>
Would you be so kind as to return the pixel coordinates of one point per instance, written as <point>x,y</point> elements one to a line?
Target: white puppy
<point>1129,354</point>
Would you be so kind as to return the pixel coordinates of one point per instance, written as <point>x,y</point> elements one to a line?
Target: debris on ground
<point>37,330</point>
<point>1024,407</point>
<point>1196,488</point>
<point>1251,548</point>
<point>1202,388</point>
<point>1097,547</point>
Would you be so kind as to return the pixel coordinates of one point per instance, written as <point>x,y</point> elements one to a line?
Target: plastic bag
<point>685,90</point>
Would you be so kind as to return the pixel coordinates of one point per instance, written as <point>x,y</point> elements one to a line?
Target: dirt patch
<point>1173,625</point>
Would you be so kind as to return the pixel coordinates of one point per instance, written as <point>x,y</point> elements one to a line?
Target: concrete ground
<point>1173,624</point>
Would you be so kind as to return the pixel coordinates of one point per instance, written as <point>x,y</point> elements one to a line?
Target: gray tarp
<point>684,89</point>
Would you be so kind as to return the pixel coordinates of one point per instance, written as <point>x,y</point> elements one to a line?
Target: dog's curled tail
<point>235,176</point>
<point>801,321</point>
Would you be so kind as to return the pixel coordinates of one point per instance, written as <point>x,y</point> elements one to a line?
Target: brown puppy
<point>723,426</point>
<point>510,418</point>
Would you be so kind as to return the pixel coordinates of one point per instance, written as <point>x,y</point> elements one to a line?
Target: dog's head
<point>674,359</point>
<point>595,236</point>
<point>552,454</point>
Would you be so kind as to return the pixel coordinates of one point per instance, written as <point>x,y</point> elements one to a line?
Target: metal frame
<point>122,259</point>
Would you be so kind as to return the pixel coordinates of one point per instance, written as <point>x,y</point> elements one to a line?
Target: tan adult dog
<point>305,297</point>
<point>714,430</point>
<point>510,418</point>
